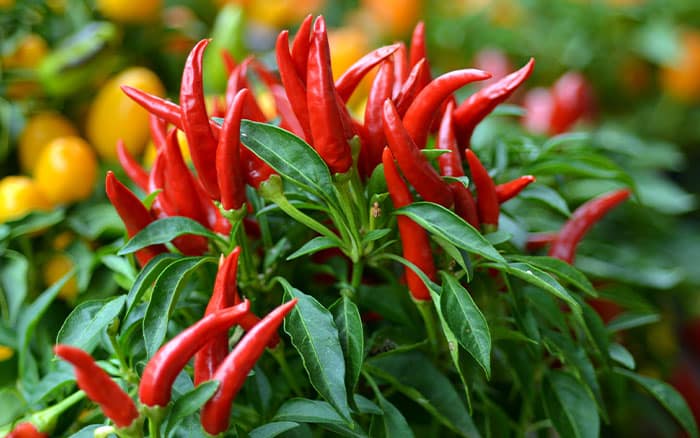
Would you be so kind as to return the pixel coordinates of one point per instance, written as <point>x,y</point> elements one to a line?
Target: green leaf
<point>572,411</point>
<point>13,281</point>
<point>415,376</point>
<point>629,320</point>
<point>271,430</point>
<point>375,235</point>
<point>466,321</point>
<point>85,324</point>
<point>94,220</point>
<point>546,195</point>
<point>30,317</point>
<point>189,403</point>
<point>35,221</point>
<point>146,277</point>
<point>165,294</point>
<point>561,269</point>
<point>366,406</point>
<point>351,335</point>
<point>542,280</point>
<point>392,424</point>
<point>621,355</point>
<point>290,156</point>
<point>314,245</point>
<point>558,140</point>
<point>303,410</point>
<point>668,397</point>
<point>315,337</point>
<point>444,223</point>
<point>163,231</point>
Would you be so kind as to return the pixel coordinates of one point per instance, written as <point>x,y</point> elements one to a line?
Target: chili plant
<point>413,301</point>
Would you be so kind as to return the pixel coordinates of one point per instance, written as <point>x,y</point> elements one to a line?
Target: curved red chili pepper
<point>480,104</point>
<point>564,245</point>
<point>411,87</point>
<point>256,170</point>
<point>486,199</point>
<point>99,387</point>
<point>26,430</point>
<point>157,379</point>
<point>401,68</point>
<point>133,214</point>
<point>420,114</point>
<point>164,109</point>
<point>465,206</point>
<point>411,160</point>
<point>414,239</point>
<point>536,241</point>
<point>225,294</point>
<point>288,119</point>
<point>195,120</point>
<point>572,99</point>
<point>238,81</point>
<point>300,46</point>
<point>158,128</point>
<point>233,371</point>
<point>327,129</point>
<point>229,62</point>
<point>372,147</point>
<point>132,168</point>
<point>293,84</point>
<point>450,163</point>
<point>511,189</point>
<point>417,50</point>
<point>156,181</point>
<point>229,170</point>
<point>348,82</point>
<point>180,183</point>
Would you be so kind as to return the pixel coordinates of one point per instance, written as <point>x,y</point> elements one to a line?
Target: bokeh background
<point>634,63</point>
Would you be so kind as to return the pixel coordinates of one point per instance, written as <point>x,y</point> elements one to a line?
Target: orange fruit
<point>681,79</point>
<point>38,132</point>
<point>66,170</point>
<point>20,195</point>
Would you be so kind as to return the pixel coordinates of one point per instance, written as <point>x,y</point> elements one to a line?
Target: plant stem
<point>426,311</point>
<point>299,216</point>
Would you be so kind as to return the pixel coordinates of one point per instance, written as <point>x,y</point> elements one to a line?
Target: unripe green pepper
<point>227,34</point>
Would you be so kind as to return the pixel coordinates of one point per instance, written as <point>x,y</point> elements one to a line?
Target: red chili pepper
<point>348,82</point>
<point>372,147</point>
<point>256,170</point>
<point>218,106</point>
<point>300,46</point>
<point>573,100</point>
<point>132,168</point>
<point>450,163</point>
<point>414,239</point>
<point>233,371</point>
<point>539,107</point>
<point>229,62</point>
<point>536,241</point>
<point>180,183</point>
<point>195,121</point>
<point>325,120</point>
<point>158,128</point>
<point>157,379</point>
<point>293,83</point>
<point>511,189</point>
<point>411,160</point>
<point>480,104</point>
<point>26,430</point>
<point>208,358</point>
<point>401,68</point>
<point>420,114</point>
<point>486,199</point>
<point>417,50</point>
<point>564,245</point>
<point>411,87</point>
<point>229,170</point>
<point>133,213</point>
<point>99,387</point>
<point>238,81</point>
<point>164,109</point>
<point>288,119</point>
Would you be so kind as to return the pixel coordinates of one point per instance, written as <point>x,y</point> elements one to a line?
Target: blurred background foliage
<point>639,59</point>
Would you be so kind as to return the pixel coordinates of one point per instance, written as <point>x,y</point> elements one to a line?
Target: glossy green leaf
<point>466,321</point>
<point>13,281</point>
<point>569,406</point>
<point>628,321</point>
<point>189,403</point>
<point>83,327</point>
<point>290,156</point>
<point>94,220</point>
<point>366,406</point>
<point>375,235</point>
<point>35,221</point>
<point>562,270</point>
<point>303,410</point>
<point>165,230</point>
<point>621,355</point>
<point>416,377</point>
<point>315,337</point>
<point>271,430</point>
<point>315,245</point>
<point>444,223</point>
<point>392,424</point>
<point>347,319</point>
<point>164,298</point>
<point>668,397</point>
<point>146,277</point>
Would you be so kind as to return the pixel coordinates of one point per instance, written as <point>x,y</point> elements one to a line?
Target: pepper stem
<point>425,307</point>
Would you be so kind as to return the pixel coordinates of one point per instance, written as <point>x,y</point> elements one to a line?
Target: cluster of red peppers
<point>206,341</point>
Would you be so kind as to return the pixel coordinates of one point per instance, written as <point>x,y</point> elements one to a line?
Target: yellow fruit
<point>276,13</point>
<point>348,44</point>
<point>57,266</point>
<point>130,11</point>
<point>37,133</point>
<point>113,115</point>
<point>66,170</point>
<point>682,79</point>
<point>18,196</point>
<point>6,352</point>
<point>30,51</point>
<point>395,17</point>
